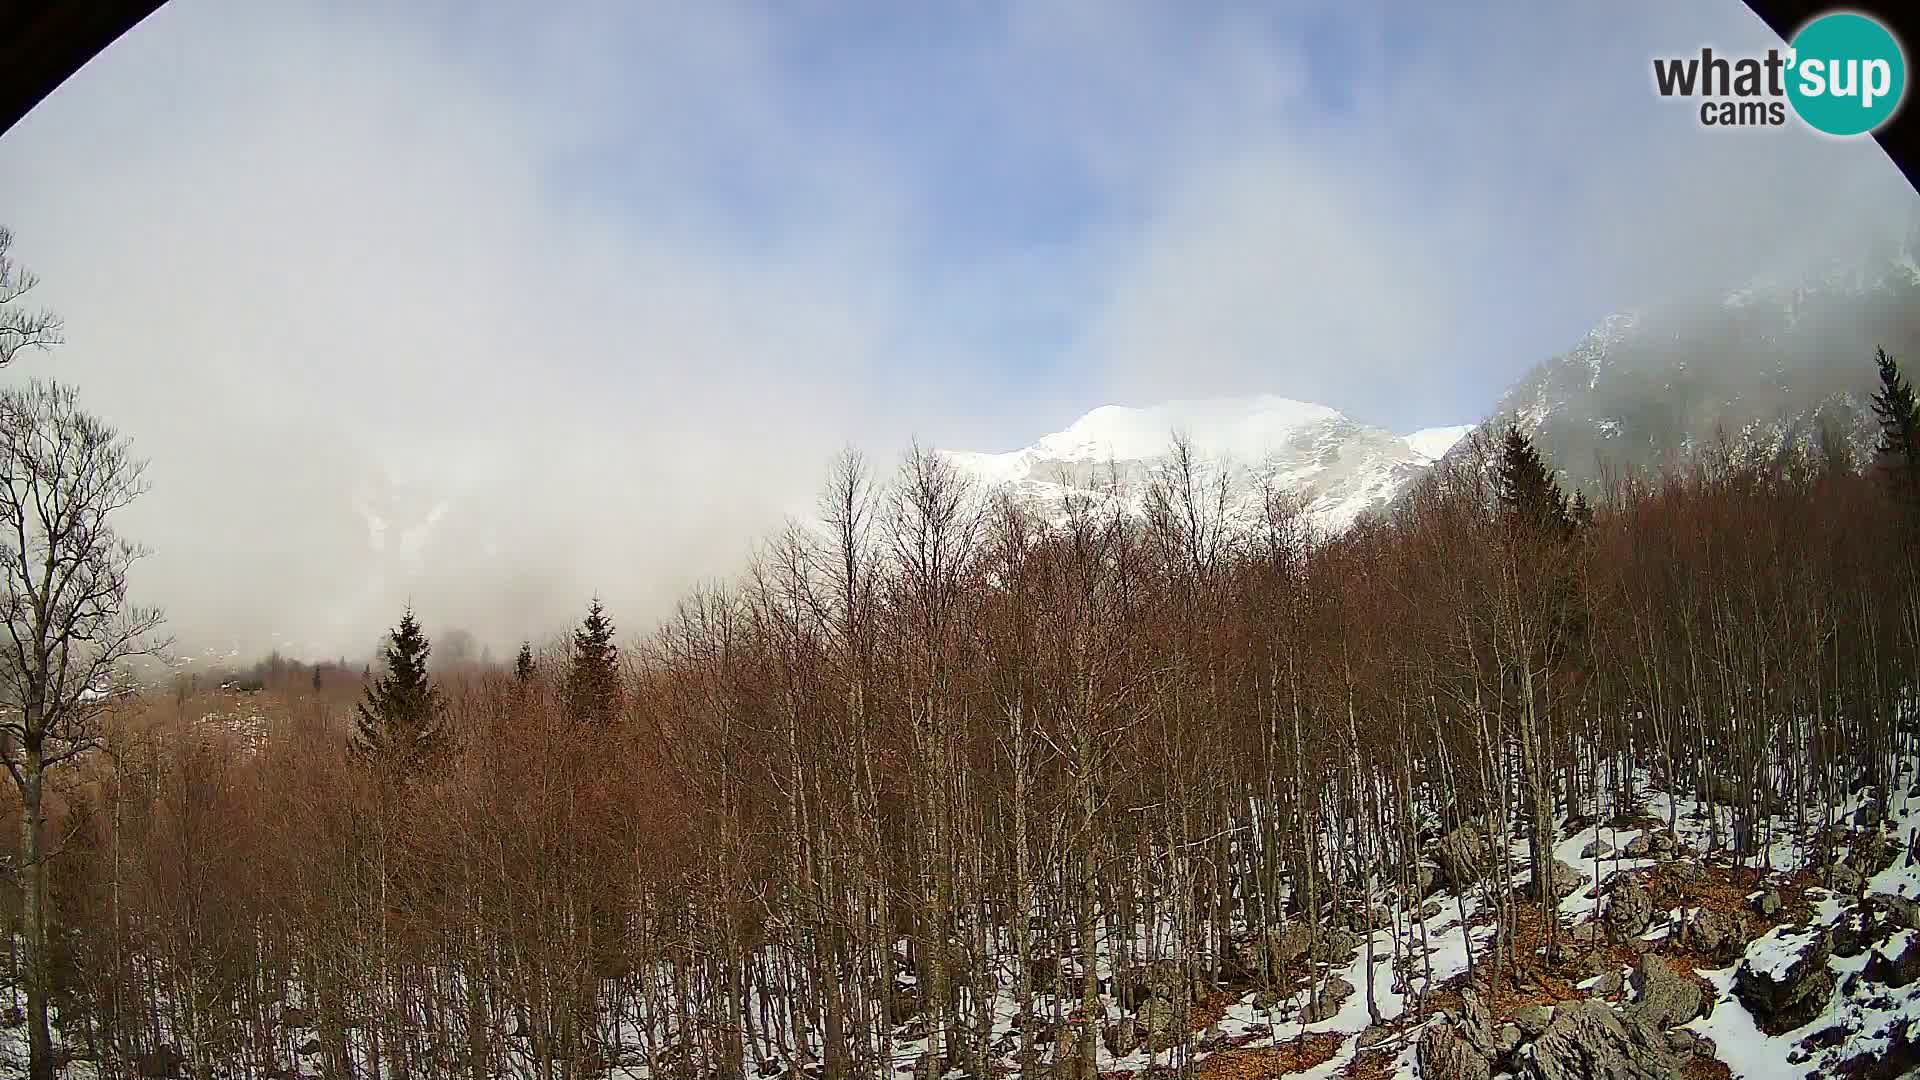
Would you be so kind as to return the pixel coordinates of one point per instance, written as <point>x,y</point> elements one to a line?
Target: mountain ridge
<point>1339,467</point>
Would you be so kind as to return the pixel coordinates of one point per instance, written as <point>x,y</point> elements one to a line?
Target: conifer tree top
<point>1898,415</point>
<point>398,725</point>
<point>1529,494</point>
<point>596,630</point>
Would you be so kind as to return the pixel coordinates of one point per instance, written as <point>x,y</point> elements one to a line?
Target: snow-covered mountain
<point>1784,360</point>
<point>1340,468</point>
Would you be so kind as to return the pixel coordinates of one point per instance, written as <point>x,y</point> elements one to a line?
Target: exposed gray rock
<point>1589,1041</point>
<point>1475,1021</point>
<point>1609,984</point>
<point>1508,1040</point>
<point>1790,984</point>
<point>1629,909</point>
<point>1443,1054</point>
<point>1327,1002</point>
<point>1665,998</point>
<point>1690,1044</point>
<point>1768,903</point>
<point>1586,935</point>
<point>1362,918</point>
<point>1905,911</point>
<point>1161,1018</point>
<point>1862,926</point>
<point>1374,1035</point>
<point>1842,878</point>
<point>1288,944</point>
<point>1533,1019</point>
<point>1596,849</point>
<point>1463,856</point>
<point>1336,946</point>
<point>1896,961</point>
<point>1638,848</point>
<point>1565,879</point>
<point>1722,937</point>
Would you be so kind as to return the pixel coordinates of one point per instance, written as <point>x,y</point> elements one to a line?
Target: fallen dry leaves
<point>1292,1056</point>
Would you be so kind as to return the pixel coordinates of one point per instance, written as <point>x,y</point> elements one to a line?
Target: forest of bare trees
<point>932,760</point>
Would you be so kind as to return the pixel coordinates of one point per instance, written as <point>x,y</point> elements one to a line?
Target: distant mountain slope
<point>1341,468</point>
<point>1766,366</point>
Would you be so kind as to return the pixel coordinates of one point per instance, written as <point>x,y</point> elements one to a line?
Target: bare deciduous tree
<point>63,475</point>
<point>21,327</point>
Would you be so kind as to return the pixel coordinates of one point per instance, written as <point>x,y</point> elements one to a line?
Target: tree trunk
<point>33,916</point>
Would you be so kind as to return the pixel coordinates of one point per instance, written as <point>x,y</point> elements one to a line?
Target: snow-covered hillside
<point>1780,361</point>
<point>1338,467</point>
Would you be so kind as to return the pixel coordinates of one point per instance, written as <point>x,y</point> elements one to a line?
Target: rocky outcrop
<point>1665,998</point>
<point>1872,852</point>
<point>1719,936</point>
<point>1587,1040</point>
<point>1444,1054</point>
<point>1464,856</point>
<point>1326,1004</point>
<point>1904,911</point>
<point>1657,843</point>
<point>1161,1018</point>
<point>1861,925</point>
<point>1629,909</point>
<point>1475,1021</point>
<point>1895,961</point>
<point>1563,879</point>
<point>1784,982</point>
<point>1287,944</point>
<point>1336,946</point>
<point>1363,918</point>
<point>1532,1020</point>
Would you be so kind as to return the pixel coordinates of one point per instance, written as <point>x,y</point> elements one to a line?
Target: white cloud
<point>607,288</point>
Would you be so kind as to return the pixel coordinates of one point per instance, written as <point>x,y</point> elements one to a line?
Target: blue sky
<point>609,284</point>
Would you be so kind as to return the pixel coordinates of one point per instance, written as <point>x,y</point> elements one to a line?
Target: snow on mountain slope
<point>1432,443</point>
<point>1338,467</point>
<point>1777,363</point>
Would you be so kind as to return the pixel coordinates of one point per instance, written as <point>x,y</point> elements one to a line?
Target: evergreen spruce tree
<point>593,679</point>
<point>1529,495</point>
<point>523,664</point>
<point>1580,514</point>
<point>1898,451</point>
<point>400,724</point>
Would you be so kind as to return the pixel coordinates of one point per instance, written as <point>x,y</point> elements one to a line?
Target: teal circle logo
<point>1847,74</point>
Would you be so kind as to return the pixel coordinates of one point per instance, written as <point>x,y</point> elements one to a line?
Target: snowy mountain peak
<point>1243,428</point>
<point>1340,468</point>
<point>1433,443</point>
